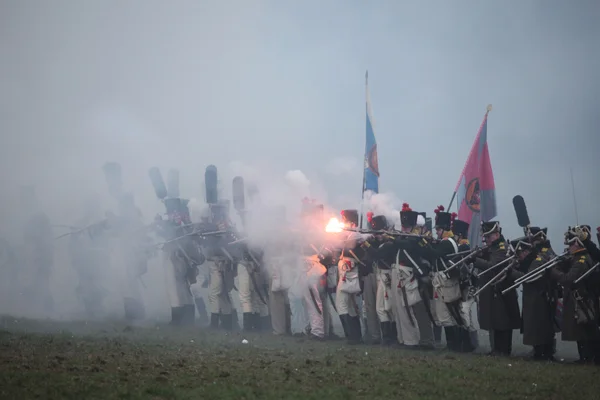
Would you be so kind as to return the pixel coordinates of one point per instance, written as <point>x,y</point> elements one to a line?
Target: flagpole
<point>487,111</point>
<point>362,199</point>
<point>574,198</point>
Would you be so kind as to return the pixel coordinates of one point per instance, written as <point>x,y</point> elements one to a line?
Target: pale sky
<point>280,84</point>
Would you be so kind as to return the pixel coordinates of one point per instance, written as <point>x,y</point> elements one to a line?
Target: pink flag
<point>475,191</point>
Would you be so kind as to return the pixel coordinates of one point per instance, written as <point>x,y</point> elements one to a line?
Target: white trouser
<point>249,298</point>
<point>369,296</point>
<point>178,287</point>
<point>407,326</point>
<point>315,305</point>
<point>346,303</point>
<point>384,302</point>
<point>221,283</point>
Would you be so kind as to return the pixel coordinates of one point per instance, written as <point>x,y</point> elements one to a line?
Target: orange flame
<point>334,226</point>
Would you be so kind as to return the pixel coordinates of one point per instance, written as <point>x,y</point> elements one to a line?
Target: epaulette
<point>582,259</point>
<point>502,246</point>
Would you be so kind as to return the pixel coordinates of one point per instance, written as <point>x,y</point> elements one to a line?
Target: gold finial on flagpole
<point>489,108</point>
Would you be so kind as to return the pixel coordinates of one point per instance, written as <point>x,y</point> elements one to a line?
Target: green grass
<point>77,360</point>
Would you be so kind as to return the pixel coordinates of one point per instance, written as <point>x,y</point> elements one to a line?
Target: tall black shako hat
<point>408,217</point>
<point>377,222</point>
<point>460,228</point>
<point>521,244</point>
<point>489,227</point>
<point>538,234</point>
<point>443,220</point>
<point>350,217</point>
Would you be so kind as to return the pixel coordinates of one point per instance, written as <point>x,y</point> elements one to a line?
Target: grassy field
<point>78,360</point>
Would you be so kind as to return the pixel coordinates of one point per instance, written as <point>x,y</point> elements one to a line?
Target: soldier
<point>89,254</point>
<point>498,314</point>
<point>446,294</point>
<point>134,247</point>
<point>539,300</point>
<point>384,293</point>
<point>182,258</point>
<point>222,272</point>
<point>348,287</point>
<point>469,338</point>
<point>415,329</point>
<point>253,297</point>
<point>580,307</point>
<point>39,251</point>
<point>181,253</point>
<point>369,291</point>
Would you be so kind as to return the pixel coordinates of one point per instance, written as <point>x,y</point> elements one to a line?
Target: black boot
<point>201,308</point>
<point>437,334</point>
<point>248,322</point>
<point>584,352</point>
<point>450,338</point>
<point>256,322</point>
<point>214,321</point>
<point>394,333</point>
<point>288,319</point>
<point>355,331</point>
<point>188,315</point>
<point>538,352</point>
<point>227,322</point>
<point>386,328</point>
<point>134,309</point>
<point>265,324</point>
<point>176,316</point>
<point>344,321</point>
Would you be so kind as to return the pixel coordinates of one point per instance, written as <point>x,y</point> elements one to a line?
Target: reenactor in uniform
<point>385,296</point>
<point>349,286</point>
<point>39,251</point>
<point>498,314</point>
<point>580,302</point>
<point>446,286</point>
<point>369,293</point>
<point>469,337</point>
<point>539,293</point>
<point>415,326</point>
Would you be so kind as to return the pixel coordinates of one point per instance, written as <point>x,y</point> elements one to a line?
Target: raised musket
<point>539,270</point>
<point>470,254</point>
<point>511,258</point>
<point>496,278</point>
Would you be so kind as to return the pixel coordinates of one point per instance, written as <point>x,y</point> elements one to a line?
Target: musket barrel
<point>497,265</point>
<point>495,278</point>
<point>538,271</point>
<point>540,268</point>
<point>587,273</point>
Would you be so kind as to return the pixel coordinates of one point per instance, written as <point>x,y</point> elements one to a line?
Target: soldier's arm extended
<point>495,257</point>
<point>577,269</point>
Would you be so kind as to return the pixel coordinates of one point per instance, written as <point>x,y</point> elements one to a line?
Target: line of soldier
<point>407,285</point>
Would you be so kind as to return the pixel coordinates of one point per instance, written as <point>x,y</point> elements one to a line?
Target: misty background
<point>264,87</point>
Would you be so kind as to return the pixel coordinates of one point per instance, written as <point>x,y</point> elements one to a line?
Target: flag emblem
<point>372,161</point>
<point>473,196</point>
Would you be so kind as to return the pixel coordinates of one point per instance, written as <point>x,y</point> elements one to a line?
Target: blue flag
<point>371,173</point>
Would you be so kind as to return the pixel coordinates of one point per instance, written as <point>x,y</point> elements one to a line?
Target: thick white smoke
<point>384,204</point>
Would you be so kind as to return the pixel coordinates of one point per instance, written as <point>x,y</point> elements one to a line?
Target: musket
<point>462,260</point>
<point>495,278</point>
<point>542,267</point>
<point>194,233</point>
<point>511,258</point>
<point>587,273</point>
<point>539,270</point>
